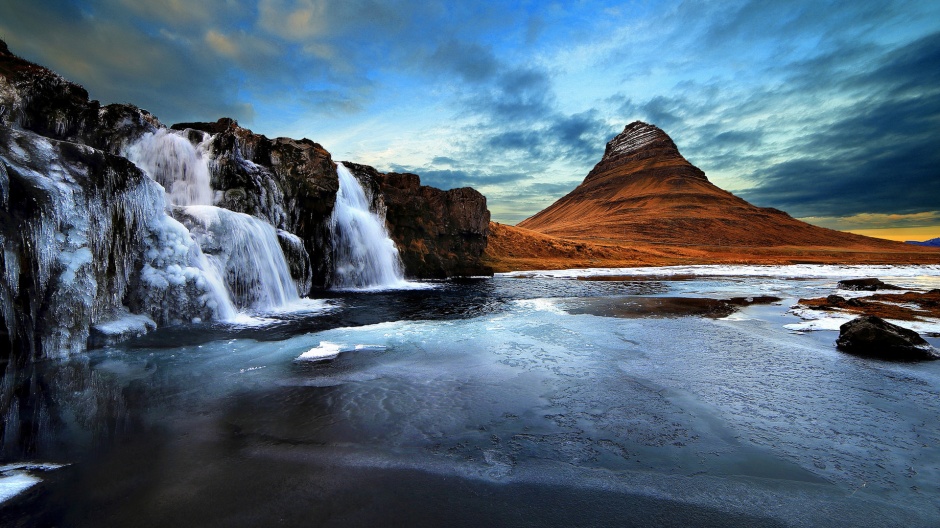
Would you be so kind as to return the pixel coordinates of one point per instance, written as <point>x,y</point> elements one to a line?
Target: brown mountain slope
<point>643,190</point>
<point>643,203</point>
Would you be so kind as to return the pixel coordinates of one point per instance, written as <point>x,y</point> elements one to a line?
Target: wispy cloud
<point>825,109</point>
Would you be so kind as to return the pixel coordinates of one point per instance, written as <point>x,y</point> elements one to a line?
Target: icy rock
<point>123,327</point>
<point>872,336</point>
<point>85,234</point>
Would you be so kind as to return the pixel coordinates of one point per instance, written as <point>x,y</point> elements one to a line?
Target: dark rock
<point>835,299</point>
<point>754,299</point>
<point>874,337</point>
<point>865,285</point>
<point>290,183</point>
<point>439,234</point>
<point>37,99</point>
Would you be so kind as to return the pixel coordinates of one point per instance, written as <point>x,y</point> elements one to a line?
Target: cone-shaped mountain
<point>644,191</point>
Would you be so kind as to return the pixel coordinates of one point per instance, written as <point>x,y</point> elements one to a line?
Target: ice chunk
<point>326,350</point>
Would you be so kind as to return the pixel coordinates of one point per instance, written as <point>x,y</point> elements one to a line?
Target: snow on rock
<point>86,238</point>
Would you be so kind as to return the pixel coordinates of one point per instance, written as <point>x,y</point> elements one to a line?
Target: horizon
<point>827,112</point>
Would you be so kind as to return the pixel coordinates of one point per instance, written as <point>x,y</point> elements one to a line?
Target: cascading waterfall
<point>239,254</point>
<point>171,160</point>
<point>364,257</point>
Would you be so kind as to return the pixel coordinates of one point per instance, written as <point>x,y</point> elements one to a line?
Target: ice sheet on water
<point>398,285</point>
<point>17,478</point>
<point>814,320</point>
<point>787,271</point>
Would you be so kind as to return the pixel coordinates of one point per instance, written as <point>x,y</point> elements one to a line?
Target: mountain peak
<point>639,138</point>
<point>641,143</point>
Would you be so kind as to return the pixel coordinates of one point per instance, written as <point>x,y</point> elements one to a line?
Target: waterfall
<point>364,257</point>
<point>245,251</point>
<point>171,160</point>
<point>239,255</point>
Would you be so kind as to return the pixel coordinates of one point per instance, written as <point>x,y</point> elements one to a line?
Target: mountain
<point>933,242</point>
<point>645,204</point>
<point>643,190</point>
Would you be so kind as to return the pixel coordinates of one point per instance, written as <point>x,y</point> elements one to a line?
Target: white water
<point>171,160</point>
<point>364,257</point>
<point>246,253</point>
<point>243,264</point>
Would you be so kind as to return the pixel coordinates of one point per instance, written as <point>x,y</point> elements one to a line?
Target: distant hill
<point>644,203</point>
<point>933,242</point>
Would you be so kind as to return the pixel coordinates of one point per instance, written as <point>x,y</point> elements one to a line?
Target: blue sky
<point>827,110</point>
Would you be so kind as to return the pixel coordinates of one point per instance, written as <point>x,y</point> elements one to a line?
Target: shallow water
<point>486,402</point>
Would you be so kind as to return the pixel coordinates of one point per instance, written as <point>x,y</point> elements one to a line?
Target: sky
<point>827,110</point>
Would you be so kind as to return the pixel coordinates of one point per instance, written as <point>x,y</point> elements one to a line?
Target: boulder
<point>874,337</point>
<point>865,285</point>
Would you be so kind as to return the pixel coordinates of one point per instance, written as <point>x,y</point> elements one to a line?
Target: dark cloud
<point>518,94</point>
<point>581,136</point>
<point>452,179</point>
<point>471,61</point>
<point>880,157</point>
<point>526,141</point>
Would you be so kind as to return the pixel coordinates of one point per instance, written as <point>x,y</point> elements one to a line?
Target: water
<point>243,263</point>
<point>487,402</point>
<point>244,250</point>
<point>363,254</point>
<point>181,168</point>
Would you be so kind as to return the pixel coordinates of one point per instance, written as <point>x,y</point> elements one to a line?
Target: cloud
<point>452,179</point>
<point>819,108</point>
<point>878,155</point>
<point>472,62</point>
<point>877,220</point>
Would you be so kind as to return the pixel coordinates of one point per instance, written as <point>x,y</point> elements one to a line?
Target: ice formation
<point>89,243</point>
<point>243,250</point>
<point>92,240</point>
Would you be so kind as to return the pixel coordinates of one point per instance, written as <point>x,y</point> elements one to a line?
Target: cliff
<point>439,233</point>
<point>93,251</point>
<point>290,183</point>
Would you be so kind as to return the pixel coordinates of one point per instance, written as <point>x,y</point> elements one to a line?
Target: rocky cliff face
<point>92,252</point>
<point>439,233</point>
<point>290,183</point>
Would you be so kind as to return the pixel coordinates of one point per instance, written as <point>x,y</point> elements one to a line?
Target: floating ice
<point>17,478</point>
<point>326,350</point>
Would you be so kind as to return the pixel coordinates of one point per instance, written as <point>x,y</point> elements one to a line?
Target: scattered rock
<point>865,285</point>
<point>907,306</point>
<point>872,336</point>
